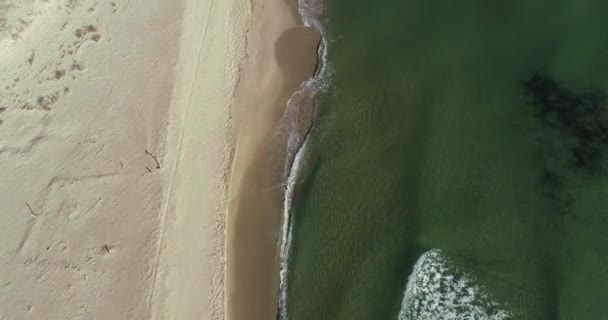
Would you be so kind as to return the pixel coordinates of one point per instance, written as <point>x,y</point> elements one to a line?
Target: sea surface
<point>458,164</point>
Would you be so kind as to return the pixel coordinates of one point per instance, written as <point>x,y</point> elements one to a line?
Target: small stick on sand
<point>155,160</point>
<point>34,214</point>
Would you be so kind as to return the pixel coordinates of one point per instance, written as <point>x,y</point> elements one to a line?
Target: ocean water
<point>458,164</point>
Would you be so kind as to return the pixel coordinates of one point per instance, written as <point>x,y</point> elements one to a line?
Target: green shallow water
<point>476,127</point>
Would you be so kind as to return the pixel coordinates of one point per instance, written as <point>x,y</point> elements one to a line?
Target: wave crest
<point>437,289</point>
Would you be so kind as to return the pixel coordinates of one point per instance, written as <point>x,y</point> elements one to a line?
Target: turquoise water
<point>478,128</point>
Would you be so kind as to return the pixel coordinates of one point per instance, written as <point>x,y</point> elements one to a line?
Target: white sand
<point>91,92</point>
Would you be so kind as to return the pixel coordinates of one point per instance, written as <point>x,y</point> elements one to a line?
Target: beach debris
<point>106,249</point>
<point>32,212</point>
<point>155,161</point>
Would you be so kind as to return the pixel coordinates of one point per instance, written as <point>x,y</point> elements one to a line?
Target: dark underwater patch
<point>579,120</point>
<point>574,134</point>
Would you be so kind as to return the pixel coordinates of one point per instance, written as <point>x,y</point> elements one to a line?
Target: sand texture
<point>115,144</point>
<point>85,90</point>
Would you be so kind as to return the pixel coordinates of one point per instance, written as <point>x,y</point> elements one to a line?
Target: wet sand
<point>281,54</point>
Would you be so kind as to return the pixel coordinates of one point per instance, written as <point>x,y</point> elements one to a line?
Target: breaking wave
<point>312,14</point>
<point>437,289</point>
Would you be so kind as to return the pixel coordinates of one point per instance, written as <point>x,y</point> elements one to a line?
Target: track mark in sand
<point>43,265</point>
<point>42,82</point>
<point>33,213</point>
<point>70,204</point>
<point>30,60</point>
<point>59,74</point>
<point>171,186</point>
<point>5,286</point>
<point>25,238</point>
<point>74,198</point>
<point>88,32</point>
<point>71,4</point>
<point>37,85</point>
<point>45,101</point>
<point>21,130</point>
<point>63,181</point>
<point>17,16</point>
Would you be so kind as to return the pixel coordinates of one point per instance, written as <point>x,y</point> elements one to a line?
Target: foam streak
<point>311,12</point>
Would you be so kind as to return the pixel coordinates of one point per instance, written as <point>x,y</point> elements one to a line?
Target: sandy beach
<point>142,156</point>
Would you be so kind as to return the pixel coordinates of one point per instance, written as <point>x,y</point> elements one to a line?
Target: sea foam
<point>312,13</point>
<point>437,289</point>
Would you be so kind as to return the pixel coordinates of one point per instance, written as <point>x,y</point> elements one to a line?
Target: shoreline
<point>281,56</point>
<point>312,13</point>
<point>155,160</point>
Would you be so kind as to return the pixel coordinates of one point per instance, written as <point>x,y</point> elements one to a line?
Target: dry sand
<point>84,93</point>
<point>190,277</point>
<point>128,131</point>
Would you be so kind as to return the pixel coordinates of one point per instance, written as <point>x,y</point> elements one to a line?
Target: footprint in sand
<point>16,16</point>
